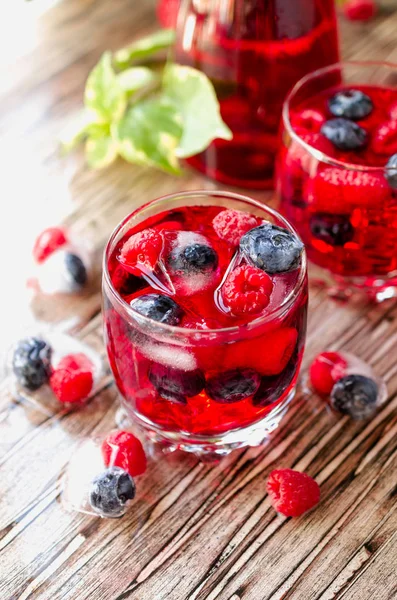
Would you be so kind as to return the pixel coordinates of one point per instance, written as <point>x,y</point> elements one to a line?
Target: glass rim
<point>134,314</point>
<point>318,154</point>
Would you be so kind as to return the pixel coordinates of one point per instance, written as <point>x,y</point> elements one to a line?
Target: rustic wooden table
<point>196,531</point>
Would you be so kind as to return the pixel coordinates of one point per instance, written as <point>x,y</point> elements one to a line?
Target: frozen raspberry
<point>292,493</point>
<point>167,13</point>
<point>72,379</point>
<point>325,370</point>
<point>360,10</point>
<point>122,449</point>
<point>142,250</point>
<point>309,120</point>
<point>47,242</point>
<point>338,191</point>
<point>247,290</point>
<point>230,225</point>
<point>385,139</point>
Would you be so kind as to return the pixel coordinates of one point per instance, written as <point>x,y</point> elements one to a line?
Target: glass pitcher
<point>254,51</point>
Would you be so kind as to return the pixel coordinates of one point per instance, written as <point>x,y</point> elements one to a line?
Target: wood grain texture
<point>196,532</point>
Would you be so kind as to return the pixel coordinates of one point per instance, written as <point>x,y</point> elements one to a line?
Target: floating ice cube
<point>170,356</point>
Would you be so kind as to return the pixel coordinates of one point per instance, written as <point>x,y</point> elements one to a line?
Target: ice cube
<point>170,356</point>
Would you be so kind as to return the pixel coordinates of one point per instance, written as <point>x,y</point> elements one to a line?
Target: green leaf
<point>103,92</point>
<point>100,151</point>
<point>144,47</point>
<point>193,95</point>
<point>84,125</point>
<point>149,134</point>
<point>136,78</point>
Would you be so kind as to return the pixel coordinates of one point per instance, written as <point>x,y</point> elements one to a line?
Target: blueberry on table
<point>158,307</point>
<point>272,248</point>
<point>391,172</point>
<point>233,386</point>
<point>195,258</point>
<point>355,395</point>
<point>335,230</point>
<point>76,269</point>
<point>174,384</point>
<point>350,104</point>
<point>345,134</point>
<point>110,491</point>
<point>31,363</point>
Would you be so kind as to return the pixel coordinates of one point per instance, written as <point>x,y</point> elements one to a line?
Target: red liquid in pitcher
<point>210,382</point>
<point>346,213</point>
<point>254,52</point>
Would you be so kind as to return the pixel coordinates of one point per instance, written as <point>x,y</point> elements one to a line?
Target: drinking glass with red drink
<point>205,299</point>
<point>337,173</point>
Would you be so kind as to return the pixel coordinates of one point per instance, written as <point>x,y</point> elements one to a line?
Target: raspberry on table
<point>230,225</point>
<point>325,371</point>
<point>47,242</point>
<point>292,493</point>
<point>142,250</point>
<point>73,378</point>
<point>122,449</point>
<point>360,10</point>
<point>247,290</point>
<point>385,139</point>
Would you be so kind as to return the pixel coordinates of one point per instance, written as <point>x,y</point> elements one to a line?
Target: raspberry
<point>268,354</point>
<point>247,290</point>
<point>47,242</point>
<point>292,493</point>
<point>72,379</point>
<point>230,225</point>
<point>122,449</point>
<point>338,191</point>
<point>141,250</point>
<point>167,13</point>
<point>385,139</point>
<point>309,120</point>
<point>360,10</point>
<point>325,370</point>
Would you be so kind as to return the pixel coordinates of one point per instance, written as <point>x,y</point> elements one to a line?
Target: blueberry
<point>110,492</point>
<point>350,104</point>
<point>174,384</point>
<point>76,269</point>
<point>272,388</point>
<point>31,363</point>
<point>391,173</point>
<point>233,386</point>
<point>355,395</point>
<point>344,134</point>
<point>271,248</point>
<point>335,230</point>
<point>195,258</point>
<point>158,307</point>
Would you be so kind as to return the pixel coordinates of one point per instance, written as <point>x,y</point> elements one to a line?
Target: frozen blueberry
<point>233,386</point>
<point>76,269</point>
<point>344,134</point>
<point>272,388</point>
<point>391,172</point>
<point>158,307</point>
<point>355,395</point>
<point>335,230</point>
<point>110,492</point>
<point>174,384</point>
<point>350,104</point>
<point>31,363</point>
<point>271,248</point>
<point>195,258</point>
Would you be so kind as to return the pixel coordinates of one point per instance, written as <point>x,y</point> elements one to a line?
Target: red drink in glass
<point>343,201</point>
<point>254,52</point>
<point>220,369</point>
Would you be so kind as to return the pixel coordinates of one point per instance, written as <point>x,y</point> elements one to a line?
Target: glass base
<point>376,289</point>
<point>210,448</point>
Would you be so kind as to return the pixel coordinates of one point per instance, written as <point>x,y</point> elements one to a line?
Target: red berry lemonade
<point>205,313</point>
